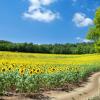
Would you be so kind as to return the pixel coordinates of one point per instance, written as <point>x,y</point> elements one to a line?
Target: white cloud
<point>79,39</point>
<point>74,0</point>
<point>81,20</point>
<point>87,41</point>
<point>37,11</point>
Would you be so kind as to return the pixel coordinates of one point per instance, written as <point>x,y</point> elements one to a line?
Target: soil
<point>24,96</point>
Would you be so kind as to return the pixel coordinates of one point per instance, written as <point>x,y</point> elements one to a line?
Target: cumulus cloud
<point>37,11</point>
<point>81,20</point>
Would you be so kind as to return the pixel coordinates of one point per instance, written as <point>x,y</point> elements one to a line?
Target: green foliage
<point>97,18</point>
<point>94,32</point>
<point>97,46</point>
<point>79,48</point>
<point>34,83</point>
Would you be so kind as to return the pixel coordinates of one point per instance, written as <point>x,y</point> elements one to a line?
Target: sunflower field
<point>27,72</point>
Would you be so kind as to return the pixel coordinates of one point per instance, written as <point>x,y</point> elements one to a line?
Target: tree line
<point>68,48</point>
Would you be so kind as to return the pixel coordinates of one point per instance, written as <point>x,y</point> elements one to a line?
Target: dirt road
<point>89,90</point>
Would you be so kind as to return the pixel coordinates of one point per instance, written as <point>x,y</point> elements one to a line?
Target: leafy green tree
<point>97,18</point>
<point>94,32</point>
<point>97,47</point>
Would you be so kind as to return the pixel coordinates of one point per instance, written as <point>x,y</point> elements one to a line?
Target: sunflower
<point>38,71</point>
<point>13,65</point>
<point>3,70</point>
<point>52,70</point>
<point>21,71</point>
<point>9,68</point>
<point>31,71</point>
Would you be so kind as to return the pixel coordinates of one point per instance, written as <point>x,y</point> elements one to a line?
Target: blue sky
<point>46,21</point>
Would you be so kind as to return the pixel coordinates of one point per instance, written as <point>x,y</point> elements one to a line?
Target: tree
<point>97,18</point>
<point>94,32</point>
<point>97,47</point>
<point>78,48</point>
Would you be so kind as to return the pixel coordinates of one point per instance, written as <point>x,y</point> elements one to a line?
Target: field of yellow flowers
<point>27,72</point>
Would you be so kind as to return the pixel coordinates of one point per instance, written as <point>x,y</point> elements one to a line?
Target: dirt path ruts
<point>90,89</point>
